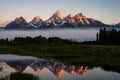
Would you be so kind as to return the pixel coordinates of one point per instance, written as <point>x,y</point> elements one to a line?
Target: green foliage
<point>108,36</point>
<point>22,76</point>
<point>37,40</point>
<point>86,53</point>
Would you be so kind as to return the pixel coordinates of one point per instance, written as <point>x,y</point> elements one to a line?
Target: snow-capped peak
<point>37,18</point>
<point>57,19</point>
<point>36,22</point>
<point>59,14</point>
<point>78,16</point>
<point>81,18</point>
<point>70,15</point>
<point>70,18</point>
<point>85,20</point>
<point>20,20</point>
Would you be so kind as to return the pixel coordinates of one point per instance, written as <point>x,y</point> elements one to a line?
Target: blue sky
<point>106,11</point>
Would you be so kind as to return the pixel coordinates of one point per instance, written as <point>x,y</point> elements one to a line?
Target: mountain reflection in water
<point>36,66</point>
<point>53,70</point>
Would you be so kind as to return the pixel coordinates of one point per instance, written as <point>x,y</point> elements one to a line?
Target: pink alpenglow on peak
<point>56,20</point>
<point>59,14</point>
<point>37,18</point>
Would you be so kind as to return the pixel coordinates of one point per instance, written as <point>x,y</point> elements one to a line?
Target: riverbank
<point>85,53</point>
<point>99,55</point>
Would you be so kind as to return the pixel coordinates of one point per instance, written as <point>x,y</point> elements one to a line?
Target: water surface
<point>53,70</point>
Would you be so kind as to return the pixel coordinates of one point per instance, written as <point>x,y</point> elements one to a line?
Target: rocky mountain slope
<point>56,20</point>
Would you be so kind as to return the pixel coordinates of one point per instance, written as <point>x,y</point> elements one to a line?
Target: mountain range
<point>56,20</point>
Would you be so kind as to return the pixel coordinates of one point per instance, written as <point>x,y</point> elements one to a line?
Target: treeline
<point>37,40</point>
<point>108,36</point>
<point>104,36</point>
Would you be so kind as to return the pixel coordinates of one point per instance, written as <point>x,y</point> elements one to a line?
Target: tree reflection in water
<point>57,68</point>
<point>36,67</point>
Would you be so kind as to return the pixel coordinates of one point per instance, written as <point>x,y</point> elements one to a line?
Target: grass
<point>99,55</point>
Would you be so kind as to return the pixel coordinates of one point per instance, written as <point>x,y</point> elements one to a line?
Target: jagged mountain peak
<point>36,22</point>
<point>79,14</point>
<point>70,18</point>
<point>20,20</point>
<point>56,20</point>
<point>70,15</point>
<point>59,14</point>
<point>81,18</point>
<point>37,18</point>
<point>21,17</point>
<point>18,23</point>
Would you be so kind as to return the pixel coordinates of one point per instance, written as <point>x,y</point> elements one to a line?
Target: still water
<point>78,34</point>
<point>52,70</point>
